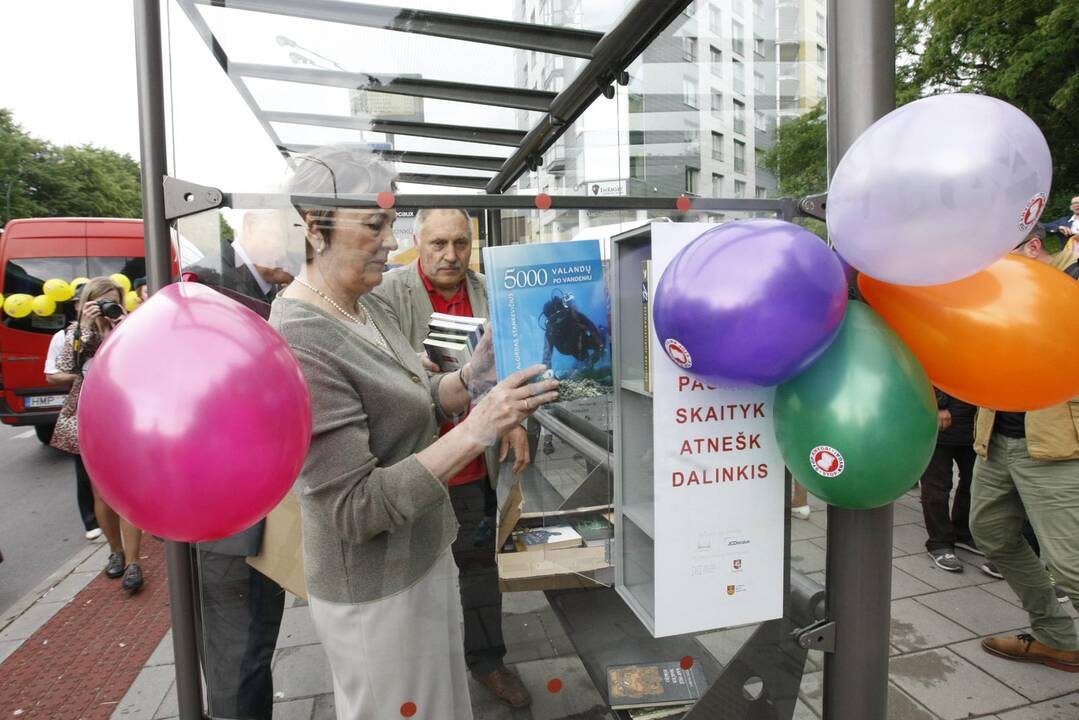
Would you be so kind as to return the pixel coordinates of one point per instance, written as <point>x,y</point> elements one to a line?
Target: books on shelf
<point>451,339</point>
<point>549,305</point>
<point>546,538</point>
<point>594,529</point>
<point>659,713</point>
<point>646,323</point>
<point>654,685</point>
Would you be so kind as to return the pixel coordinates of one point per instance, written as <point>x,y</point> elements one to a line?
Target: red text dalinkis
<point>714,476</point>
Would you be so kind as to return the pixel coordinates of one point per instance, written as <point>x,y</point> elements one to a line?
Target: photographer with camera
<point>100,311</point>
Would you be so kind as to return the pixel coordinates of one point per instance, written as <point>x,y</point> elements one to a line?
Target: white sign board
<point>719,506</point>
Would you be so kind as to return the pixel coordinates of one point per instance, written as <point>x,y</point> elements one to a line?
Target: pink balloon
<point>194,419</point>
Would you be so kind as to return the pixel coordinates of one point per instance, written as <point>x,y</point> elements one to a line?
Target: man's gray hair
<point>422,213</point>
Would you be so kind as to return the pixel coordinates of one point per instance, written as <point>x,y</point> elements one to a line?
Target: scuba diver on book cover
<point>570,331</point>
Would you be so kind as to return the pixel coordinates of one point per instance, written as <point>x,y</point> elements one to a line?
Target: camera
<point>110,308</point>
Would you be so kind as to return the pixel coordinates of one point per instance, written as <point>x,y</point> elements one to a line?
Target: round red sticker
<point>1032,212</point>
<point>826,461</point>
<point>677,352</point>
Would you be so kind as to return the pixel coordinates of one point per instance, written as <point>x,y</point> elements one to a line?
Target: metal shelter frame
<point>861,62</point>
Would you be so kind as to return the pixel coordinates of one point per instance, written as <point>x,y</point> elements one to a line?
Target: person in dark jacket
<point>950,527</point>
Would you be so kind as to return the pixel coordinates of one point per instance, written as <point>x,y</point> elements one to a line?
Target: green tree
<point>39,179</point>
<point>1024,53</point>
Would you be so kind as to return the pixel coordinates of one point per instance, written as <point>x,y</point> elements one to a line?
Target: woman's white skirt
<point>399,653</point>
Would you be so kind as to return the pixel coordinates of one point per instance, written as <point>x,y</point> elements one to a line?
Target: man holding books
<point>439,282</point>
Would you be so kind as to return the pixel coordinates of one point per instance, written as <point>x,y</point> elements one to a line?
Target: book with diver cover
<point>549,305</point>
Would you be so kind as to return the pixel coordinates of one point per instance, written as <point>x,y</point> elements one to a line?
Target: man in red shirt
<point>440,281</point>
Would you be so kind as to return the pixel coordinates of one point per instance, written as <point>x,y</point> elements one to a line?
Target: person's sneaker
<point>969,546</point>
<point>946,560</point>
<point>115,568</point>
<point>1024,648</point>
<point>1062,597</point>
<point>802,512</point>
<point>132,579</point>
<point>506,687</point>
<point>93,534</point>
<point>990,569</point>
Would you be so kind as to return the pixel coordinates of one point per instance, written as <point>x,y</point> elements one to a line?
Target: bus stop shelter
<point>599,62</point>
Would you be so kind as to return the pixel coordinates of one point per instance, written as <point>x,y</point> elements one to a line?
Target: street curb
<point>31,598</point>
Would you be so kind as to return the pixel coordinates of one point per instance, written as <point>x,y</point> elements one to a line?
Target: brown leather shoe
<point>1024,648</point>
<point>507,687</point>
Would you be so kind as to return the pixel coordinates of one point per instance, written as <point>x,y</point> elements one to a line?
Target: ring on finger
<point>528,404</point>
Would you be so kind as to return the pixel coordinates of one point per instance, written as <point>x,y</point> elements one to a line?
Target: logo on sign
<point>731,589</point>
<point>1032,212</point>
<point>738,564</point>
<point>826,461</point>
<point>677,352</point>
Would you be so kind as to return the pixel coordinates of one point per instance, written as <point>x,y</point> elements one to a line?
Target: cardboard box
<point>560,569</point>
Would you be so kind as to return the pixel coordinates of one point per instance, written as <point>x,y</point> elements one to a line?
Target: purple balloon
<point>750,302</point>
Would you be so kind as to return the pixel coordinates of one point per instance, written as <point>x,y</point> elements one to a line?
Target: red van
<point>31,252</point>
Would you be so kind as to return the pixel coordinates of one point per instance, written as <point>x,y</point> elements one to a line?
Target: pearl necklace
<point>331,301</point>
<point>378,338</point>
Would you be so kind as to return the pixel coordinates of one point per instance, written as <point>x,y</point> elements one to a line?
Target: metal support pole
<point>861,89</point>
<point>158,274</point>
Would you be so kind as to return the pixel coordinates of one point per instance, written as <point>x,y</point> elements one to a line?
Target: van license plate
<point>45,401</point>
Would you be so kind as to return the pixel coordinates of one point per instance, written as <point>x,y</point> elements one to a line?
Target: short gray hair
<point>422,213</point>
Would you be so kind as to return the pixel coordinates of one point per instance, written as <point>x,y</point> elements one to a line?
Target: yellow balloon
<point>131,300</point>
<point>122,280</point>
<point>77,282</point>
<point>18,305</point>
<point>43,306</point>
<point>1,301</point>
<point>58,290</point>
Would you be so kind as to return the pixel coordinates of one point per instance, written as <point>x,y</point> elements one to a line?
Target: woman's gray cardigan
<point>374,518</point>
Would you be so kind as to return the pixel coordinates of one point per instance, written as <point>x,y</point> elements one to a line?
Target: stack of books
<point>546,538</point>
<point>451,340</point>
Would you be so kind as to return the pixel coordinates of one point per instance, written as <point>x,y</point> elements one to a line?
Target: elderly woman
<point>377,518</point>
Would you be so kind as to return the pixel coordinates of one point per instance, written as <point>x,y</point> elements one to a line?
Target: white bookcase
<point>689,555</point>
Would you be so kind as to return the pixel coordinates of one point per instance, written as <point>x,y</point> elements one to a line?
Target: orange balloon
<point>1005,338</point>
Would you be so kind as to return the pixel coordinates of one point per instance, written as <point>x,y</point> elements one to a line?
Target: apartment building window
<point>822,56</point>
<point>636,167</point>
<point>689,92</point>
<point>762,193</point>
<point>738,37</point>
<point>822,28</point>
<point>738,76</point>
<point>758,46</point>
<point>758,83</point>
<point>717,103</point>
<point>822,86</point>
<point>717,146</point>
<point>760,121</point>
<point>693,177</point>
<point>758,8</point>
<point>740,158</point>
<point>716,57</point>
<point>689,49</point>
<point>717,185</point>
<point>739,189</point>
<point>715,21</point>
<point>690,9</point>
<point>739,117</point>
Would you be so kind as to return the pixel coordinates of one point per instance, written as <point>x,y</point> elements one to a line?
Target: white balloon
<point>939,189</point>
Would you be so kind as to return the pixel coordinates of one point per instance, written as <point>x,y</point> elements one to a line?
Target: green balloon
<point>858,427</point>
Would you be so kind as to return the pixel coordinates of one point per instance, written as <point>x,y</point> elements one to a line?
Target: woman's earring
<point>321,246</point>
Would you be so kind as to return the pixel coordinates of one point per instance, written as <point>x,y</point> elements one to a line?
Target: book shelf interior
<point>633,441</point>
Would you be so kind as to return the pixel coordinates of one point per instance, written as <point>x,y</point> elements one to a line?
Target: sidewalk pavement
<point>938,670</point>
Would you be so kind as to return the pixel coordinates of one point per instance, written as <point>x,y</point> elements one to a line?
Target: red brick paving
<point>81,663</point>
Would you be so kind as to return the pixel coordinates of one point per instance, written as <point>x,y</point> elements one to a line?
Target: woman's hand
<point>508,403</point>
<point>91,312</point>
<point>428,364</point>
<point>516,440</point>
